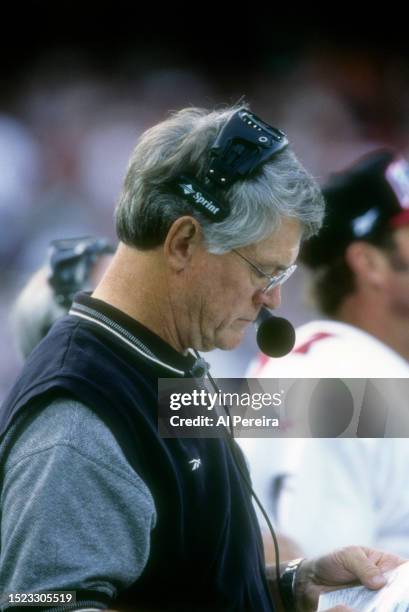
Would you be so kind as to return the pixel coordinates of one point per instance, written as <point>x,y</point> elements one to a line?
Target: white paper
<point>393,597</point>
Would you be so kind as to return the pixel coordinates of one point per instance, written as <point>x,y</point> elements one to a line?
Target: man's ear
<point>183,239</point>
<point>368,263</point>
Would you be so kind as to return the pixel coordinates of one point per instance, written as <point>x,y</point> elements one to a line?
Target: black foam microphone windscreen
<point>275,335</point>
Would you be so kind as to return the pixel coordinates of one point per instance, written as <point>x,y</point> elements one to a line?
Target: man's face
<point>397,285</point>
<point>229,292</point>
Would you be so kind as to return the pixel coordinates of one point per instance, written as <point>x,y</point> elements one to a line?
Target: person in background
<point>348,490</point>
<point>73,265</point>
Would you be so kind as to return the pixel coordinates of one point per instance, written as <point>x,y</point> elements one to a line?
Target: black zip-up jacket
<point>206,551</point>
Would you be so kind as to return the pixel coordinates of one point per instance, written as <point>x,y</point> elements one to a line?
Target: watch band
<point>287,584</point>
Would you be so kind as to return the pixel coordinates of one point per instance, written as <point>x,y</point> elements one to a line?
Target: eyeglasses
<point>273,279</point>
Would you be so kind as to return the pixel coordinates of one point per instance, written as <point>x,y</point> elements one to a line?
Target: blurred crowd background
<point>72,108</point>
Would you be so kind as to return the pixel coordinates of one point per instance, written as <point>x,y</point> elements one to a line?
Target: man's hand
<point>342,568</point>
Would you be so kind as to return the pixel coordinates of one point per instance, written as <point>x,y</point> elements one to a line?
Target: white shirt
<point>329,349</point>
<point>336,491</point>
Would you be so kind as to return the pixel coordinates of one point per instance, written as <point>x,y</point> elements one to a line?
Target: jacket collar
<point>132,333</point>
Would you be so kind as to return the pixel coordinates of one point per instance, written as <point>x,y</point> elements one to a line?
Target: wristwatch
<point>287,584</point>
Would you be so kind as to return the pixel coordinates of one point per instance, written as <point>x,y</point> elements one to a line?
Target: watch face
<point>287,583</point>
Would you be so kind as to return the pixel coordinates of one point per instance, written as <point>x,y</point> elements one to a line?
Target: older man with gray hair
<point>210,220</point>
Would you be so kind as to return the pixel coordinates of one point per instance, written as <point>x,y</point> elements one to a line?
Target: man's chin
<point>230,340</point>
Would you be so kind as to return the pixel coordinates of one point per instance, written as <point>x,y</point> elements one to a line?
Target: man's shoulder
<point>326,348</point>
<point>60,424</point>
<point>313,339</point>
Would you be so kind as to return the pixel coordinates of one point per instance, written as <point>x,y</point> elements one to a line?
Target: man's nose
<point>269,299</point>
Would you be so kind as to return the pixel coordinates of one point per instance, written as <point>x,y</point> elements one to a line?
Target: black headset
<point>243,145</point>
